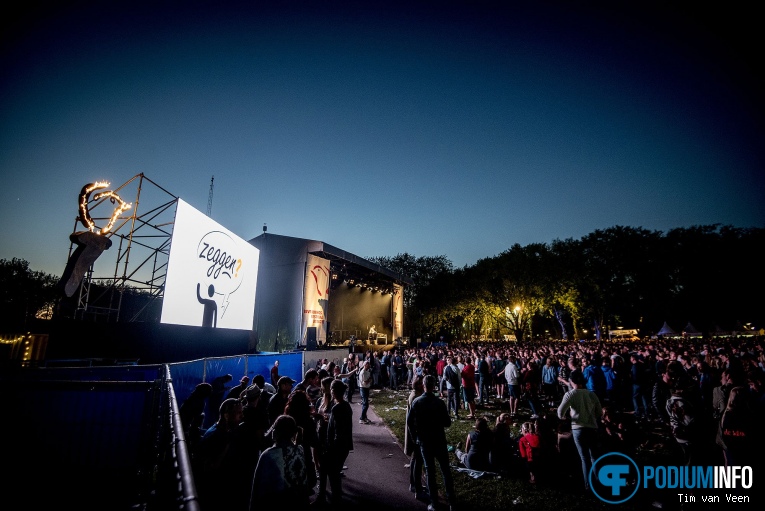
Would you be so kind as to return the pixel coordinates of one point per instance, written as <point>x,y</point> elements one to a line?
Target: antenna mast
<point>210,197</point>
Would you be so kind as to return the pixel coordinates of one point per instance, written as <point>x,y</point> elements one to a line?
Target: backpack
<point>452,376</point>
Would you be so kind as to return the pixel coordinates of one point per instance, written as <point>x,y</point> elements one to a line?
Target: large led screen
<point>211,274</point>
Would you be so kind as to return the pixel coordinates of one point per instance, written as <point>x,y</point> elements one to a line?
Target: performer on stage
<point>372,333</point>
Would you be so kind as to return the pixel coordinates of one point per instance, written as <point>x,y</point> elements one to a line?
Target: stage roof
<point>346,265</point>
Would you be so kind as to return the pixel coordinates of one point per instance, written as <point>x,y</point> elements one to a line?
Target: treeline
<point>26,296</point>
<point>711,276</point>
<point>29,299</point>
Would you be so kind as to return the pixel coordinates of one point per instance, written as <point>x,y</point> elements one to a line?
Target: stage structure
<point>313,294</point>
<point>156,280</point>
<point>97,281</point>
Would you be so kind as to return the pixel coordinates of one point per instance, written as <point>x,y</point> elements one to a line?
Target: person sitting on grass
<point>478,446</point>
<point>530,445</point>
<point>504,447</point>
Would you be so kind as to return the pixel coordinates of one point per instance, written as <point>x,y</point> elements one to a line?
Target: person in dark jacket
<point>339,438</point>
<point>427,419</point>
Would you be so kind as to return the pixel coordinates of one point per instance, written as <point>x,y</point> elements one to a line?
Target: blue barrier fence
<point>99,429</point>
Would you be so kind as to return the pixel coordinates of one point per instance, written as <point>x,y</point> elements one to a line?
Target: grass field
<point>557,488</point>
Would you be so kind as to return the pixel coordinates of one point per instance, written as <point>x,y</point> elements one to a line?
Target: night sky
<point>434,128</point>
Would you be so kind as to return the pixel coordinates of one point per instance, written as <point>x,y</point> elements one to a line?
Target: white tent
<point>666,330</point>
<point>690,331</point>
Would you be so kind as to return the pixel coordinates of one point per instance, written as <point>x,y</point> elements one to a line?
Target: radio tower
<point>209,197</point>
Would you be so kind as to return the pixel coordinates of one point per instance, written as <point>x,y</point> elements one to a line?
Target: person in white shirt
<point>585,410</point>
<point>513,379</point>
<point>365,384</point>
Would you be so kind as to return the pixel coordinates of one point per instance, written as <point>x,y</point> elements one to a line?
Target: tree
<point>514,282</point>
<point>423,271</point>
<point>620,276</point>
<point>23,293</point>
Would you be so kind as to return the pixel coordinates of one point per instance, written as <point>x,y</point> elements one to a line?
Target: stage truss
<point>136,264</point>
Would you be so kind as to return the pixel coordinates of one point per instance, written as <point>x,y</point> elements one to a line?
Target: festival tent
<point>690,331</point>
<point>719,332</point>
<point>666,330</point>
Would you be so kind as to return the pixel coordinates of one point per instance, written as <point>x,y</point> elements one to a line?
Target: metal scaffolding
<point>138,267</point>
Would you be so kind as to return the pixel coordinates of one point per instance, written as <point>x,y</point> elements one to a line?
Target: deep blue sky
<point>434,128</point>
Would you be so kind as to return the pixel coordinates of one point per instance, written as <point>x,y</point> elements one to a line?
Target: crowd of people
<point>559,406</point>
<point>538,408</point>
<point>284,444</point>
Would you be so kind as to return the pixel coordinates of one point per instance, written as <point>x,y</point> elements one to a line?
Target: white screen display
<point>211,274</point>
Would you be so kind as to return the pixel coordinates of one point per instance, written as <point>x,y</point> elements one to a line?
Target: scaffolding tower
<point>136,265</point>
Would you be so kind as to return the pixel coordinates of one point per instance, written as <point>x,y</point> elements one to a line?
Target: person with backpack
<point>453,379</point>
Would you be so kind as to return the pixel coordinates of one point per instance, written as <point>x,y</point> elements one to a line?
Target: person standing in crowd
<point>427,419</point>
<point>210,470</point>
<point>530,381</point>
<point>585,410</point>
<point>376,370</point>
<point>610,376</point>
<point>218,395</point>
<point>245,446</point>
<point>350,368</point>
<point>460,361</point>
<point>564,373</point>
<point>730,377</point>
<point>339,439</point>
<point>410,359</point>
<point>440,365</point>
<point>311,386</point>
<point>266,387</point>
<point>513,378</point>
<point>639,391</point>
<point>236,390</point>
<point>498,374</point>
<point>594,378</point>
<point>278,401</point>
<point>385,367</point>
<point>365,385</point>
<point>301,409</point>
<point>194,406</point>
<point>411,448</point>
<point>281,475</point>
<point>685,417</point>
<point>322,421</point>
<point>468,386</point>
<point>736,432</point>
<point>396,370</point>
<point>484,379</point>
<point>453,381</point>
<point>275,374</point>
<point>550,381</point>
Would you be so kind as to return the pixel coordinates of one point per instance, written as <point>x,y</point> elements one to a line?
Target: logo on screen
<point>220,268</point>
